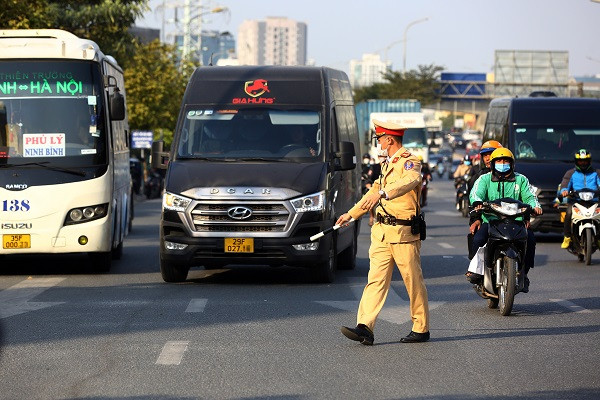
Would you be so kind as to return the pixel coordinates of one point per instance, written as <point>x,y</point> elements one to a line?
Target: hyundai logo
<point>239,212</point>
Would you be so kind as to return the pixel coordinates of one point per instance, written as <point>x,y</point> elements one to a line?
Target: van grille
<point>214,218</point>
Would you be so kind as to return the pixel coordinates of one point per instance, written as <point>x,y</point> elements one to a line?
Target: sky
<point>459,35</point>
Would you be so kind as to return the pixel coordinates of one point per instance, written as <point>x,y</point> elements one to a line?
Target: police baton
<point>327,231</point>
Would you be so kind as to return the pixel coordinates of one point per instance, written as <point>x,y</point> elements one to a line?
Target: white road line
<point>196,305</point>
<point>571,306</point>
<point>447,256</point>
<point>445,245</point>
<point>16,299</point>
<point>172,353</point>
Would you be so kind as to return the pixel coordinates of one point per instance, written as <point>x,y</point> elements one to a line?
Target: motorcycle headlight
<point>175,202</point>
<point>312,202</point>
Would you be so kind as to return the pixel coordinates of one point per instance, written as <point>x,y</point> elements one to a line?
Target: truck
<point>415,137</point>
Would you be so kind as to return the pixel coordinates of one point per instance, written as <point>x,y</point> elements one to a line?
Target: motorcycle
<point>462,194</point>
<point>504,254</point>
<point>440,168</point>
<point>153,185</point>
<point>585,224</point>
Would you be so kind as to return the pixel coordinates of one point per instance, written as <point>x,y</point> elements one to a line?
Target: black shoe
<point>474,278</point>
<point>414,337</point>
<point>361,334</point>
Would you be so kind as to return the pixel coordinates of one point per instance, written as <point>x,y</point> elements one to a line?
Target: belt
<point>390,220</point>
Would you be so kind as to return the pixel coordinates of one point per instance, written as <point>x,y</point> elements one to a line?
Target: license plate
<point>16,241</point>
<point>239,245</point>
<point>562,216</point>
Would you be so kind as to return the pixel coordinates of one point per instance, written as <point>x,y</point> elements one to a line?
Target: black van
<point>262,159</point>
<point>544,133</point>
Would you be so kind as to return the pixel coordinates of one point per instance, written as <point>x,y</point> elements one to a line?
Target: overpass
<point>473,97</point>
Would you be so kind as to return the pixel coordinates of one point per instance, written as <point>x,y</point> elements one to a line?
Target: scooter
<point>585,224</point>
<point>462,194</point>
<point>440,168</point>
<point>504,254</point>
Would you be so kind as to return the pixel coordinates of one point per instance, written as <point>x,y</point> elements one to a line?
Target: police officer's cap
<point>388,128</point>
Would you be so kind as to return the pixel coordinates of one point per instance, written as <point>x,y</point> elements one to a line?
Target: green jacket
<point>488,188</point>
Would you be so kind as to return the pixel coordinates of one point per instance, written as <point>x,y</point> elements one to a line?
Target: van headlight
<point>312,202</point>
<point>175,202</point>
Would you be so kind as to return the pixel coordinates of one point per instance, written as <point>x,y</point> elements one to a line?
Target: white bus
<point>65,185</point>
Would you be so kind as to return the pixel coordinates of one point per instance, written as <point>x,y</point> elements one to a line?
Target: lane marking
<point>447,256</point>
<point>172,353</point>
<point>395,310</point>
<point>196,305</point>
<point>571,306</point>
<point>15,299</point>
<point>445,245</point>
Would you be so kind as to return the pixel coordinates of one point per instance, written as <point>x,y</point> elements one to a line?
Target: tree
<point>418,84</point>
<point>155,83</point>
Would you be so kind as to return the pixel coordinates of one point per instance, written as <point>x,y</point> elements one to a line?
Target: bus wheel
<point>101,261</point>
<point>324,272</point>
<point>117,252</point>
<point>172,272</point>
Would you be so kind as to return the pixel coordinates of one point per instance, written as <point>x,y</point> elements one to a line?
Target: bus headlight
<point>312,202</point>
<point>80,215</point>
<point>175,202</point>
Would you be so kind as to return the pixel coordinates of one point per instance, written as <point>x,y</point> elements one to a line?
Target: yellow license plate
<point>239,245</point>
<point>16,241</point>
<point>562,216</point>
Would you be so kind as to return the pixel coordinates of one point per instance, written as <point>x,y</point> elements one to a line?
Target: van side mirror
<point>160,158</point>
<point>347,157</point>
<point>117,106</point>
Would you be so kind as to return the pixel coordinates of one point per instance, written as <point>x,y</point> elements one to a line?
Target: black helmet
<point>583,160</point>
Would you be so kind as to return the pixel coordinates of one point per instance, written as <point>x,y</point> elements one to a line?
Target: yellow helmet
<point>420,157</point>
<point>502,152</point>
<point>583,154</point>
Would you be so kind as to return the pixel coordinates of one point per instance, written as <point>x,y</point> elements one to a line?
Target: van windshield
<point>251,133</point>
<point>554,143</point>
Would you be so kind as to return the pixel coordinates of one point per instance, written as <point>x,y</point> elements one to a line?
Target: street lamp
<point>187,19</point>
<point>404,40</point>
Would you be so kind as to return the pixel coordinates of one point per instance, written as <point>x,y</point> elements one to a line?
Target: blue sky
<point>460,35</point>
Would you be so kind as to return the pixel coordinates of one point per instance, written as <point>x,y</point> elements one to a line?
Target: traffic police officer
<point>396,196</point>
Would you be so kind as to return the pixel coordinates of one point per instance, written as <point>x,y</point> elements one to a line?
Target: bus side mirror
<point>117,106</point>
<point>347,157</point>
<point>160,158</point>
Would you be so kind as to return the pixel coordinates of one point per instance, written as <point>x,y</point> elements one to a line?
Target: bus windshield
<point>243,133</point>
<point>554,143</point>
<point>51,112</point>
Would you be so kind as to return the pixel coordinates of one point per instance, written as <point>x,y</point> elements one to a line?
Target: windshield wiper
<point>43,164</point>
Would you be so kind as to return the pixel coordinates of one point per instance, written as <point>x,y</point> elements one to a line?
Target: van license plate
<point>16,241</point>
<point>239,245</point>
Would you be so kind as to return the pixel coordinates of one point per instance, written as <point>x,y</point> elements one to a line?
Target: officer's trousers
<point>382,258</point>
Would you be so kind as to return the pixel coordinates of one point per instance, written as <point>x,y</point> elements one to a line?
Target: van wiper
<point>43,164</point>
<point>263,159</point>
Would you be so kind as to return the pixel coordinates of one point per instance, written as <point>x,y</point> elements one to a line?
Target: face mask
<point>467,162</point>
<point>366,160</point>
<point>502,168</point>
<point>381,152</point>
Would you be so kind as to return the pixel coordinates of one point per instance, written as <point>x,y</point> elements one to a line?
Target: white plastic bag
<point>476,264</point>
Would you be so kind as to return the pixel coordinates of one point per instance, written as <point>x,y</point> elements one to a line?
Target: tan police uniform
<point>401,181</point>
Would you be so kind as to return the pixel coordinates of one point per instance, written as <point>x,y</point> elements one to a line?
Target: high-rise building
<point>368,71</point>
<point>215,44</point>
<point>275,41</point>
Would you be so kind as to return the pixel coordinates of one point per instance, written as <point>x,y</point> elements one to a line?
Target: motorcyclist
<point>502,182</point>
<point>426,174</point>
<point>484,167</point>
<point>583,176</point>
<point>463,169</point>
